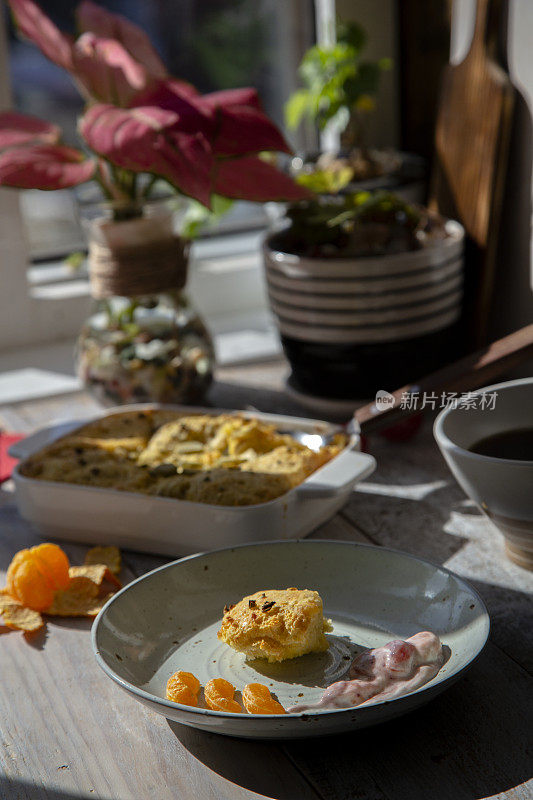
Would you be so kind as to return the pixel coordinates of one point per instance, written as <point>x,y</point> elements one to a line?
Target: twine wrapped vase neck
<point>143,341</point>
<point>132,270</point>
<point>136,257</point>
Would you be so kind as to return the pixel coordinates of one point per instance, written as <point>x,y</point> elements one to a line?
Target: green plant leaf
<point>334,79</point>
<point>326,181</point>
<point>75,260</point>
<point>351,33</point>
<point>297,106</point>
<point>198,217</point>
<point>365,82</point>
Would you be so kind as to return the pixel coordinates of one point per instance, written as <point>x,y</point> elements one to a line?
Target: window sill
<point>217,253</point>
<point>225,284</point>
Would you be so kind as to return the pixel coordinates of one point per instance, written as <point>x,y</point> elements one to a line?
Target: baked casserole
<point>220,459</point>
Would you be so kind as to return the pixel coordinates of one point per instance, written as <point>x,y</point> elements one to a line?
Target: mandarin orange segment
<point>183,687</point>
<point>218,695</point>
<point>17,560</point>
<point>179,693</point>
<point>28,585</point>
<point>189,680</point>
<point>258,700</point>
<point>34,575</point>
<point>53,563</point>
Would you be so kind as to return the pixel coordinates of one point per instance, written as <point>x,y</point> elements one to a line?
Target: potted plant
<point>366,290</point>
<point>141,129</point>
<point>339,90</point>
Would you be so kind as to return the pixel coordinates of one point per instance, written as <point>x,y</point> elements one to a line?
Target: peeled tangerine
<point>35,575</point>
<point>218,695</point>
<point>258,700</point>
<point>183,687</point>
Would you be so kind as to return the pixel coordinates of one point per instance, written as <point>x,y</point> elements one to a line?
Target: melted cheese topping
<point>223,459</point>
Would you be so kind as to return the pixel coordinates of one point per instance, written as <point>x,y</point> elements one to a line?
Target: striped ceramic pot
<point>352,325</point>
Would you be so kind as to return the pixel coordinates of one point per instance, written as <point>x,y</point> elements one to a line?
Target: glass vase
<point>143,341</point>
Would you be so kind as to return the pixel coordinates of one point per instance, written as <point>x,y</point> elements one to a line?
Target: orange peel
<point>39,579</point>
<point>20,618</point>
<point>108,555</point>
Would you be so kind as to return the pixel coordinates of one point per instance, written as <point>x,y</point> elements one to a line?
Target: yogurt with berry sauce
<point>384,673</point>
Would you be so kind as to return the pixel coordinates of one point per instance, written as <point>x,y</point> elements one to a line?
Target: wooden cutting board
<point>472,141</point>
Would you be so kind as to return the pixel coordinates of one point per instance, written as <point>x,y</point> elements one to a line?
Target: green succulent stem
<point>338,87</point>
<point>359,223</point>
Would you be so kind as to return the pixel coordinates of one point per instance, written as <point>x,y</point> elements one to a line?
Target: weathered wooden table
<point>66,731</point>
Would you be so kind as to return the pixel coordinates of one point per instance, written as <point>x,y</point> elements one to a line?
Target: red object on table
<point>6,462</point>
<point>403,430</point>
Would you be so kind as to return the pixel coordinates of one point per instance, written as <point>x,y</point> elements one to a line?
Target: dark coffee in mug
<point>516,444</point>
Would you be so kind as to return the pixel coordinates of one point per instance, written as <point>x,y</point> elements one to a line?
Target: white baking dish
<point>178,527</point>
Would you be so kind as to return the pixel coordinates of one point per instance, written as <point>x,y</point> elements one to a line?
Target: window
<point>213,43</point>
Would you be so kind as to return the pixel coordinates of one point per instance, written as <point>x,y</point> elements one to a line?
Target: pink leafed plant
<point>139,120</point>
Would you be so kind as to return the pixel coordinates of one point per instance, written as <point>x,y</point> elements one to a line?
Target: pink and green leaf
<point>232,97</point>
<point>40,29</point>
<point>149,139</point>
<point>18,129</point>
<point>95,19</point>
<point>144,121</point>
<point>106,71</point>
<point>231,120</point>
<point>181,98</point>
<point>245,129</point>
<point>251,178</point>
<point>44,167</point>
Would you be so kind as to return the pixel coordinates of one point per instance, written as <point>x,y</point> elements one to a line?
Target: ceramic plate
<point>168,620</point>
